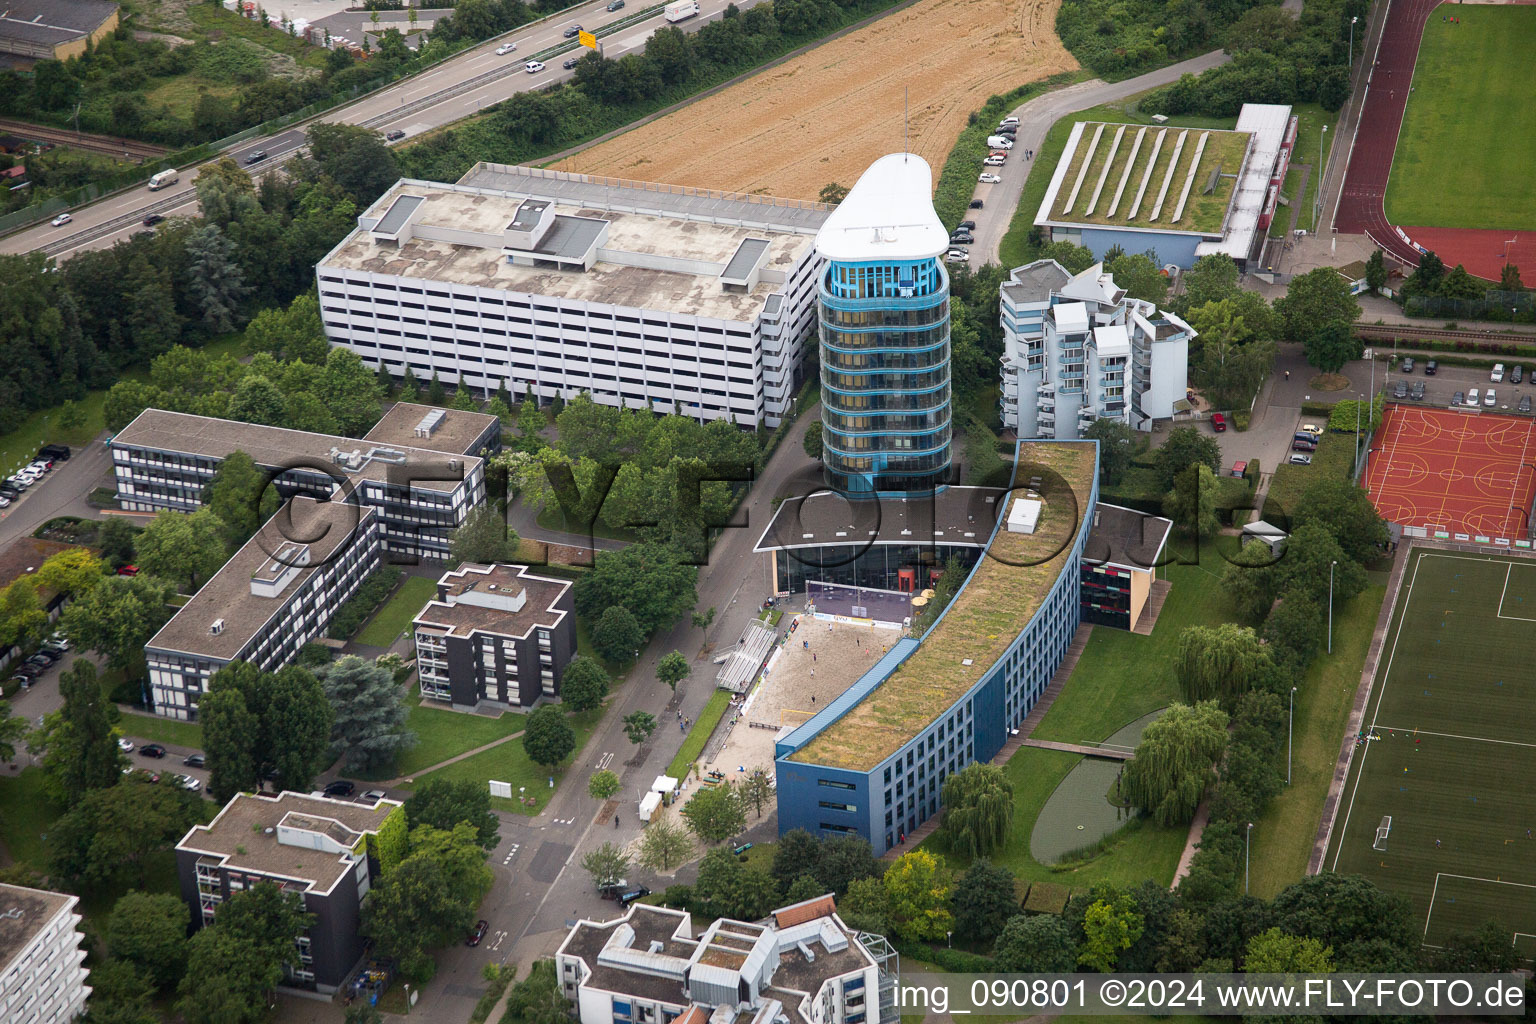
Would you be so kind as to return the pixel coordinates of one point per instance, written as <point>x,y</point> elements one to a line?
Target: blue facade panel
<point>1171,247</point>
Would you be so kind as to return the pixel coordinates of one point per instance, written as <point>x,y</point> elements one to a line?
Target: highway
<point>439,96</point>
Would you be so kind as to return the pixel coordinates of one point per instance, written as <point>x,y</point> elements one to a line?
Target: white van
<point>999,142</point>
<point>1472,396</point>
<point>1498,373</point>
<point>162,179</point>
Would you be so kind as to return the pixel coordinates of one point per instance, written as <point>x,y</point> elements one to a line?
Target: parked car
<point>976,204</point>
<point>125,745</point>
<point>29,671</point>
<point>373,796</point>
<point>1407,364</point>
<point>395,136</point>
<point>41,661</point>
<point>1218,422</point>
<point>961,238</point>
<point>1417,391</point>
<point>1310,428</point>
<point>61,220</point>
<point>1525,403</point>
<point>1489,398</point>
<point>1431,368</point>
<point>957,256</point>
<point>340,788</point>
<point>1300,459</point>
<point>153,219</point>
<point>1498,373</point>
<point>55,451</point>
<point>1472,394</point>
<point>572,32</point>
<point>571,62</point>
<point>968,225</point>
<point>987,178</point>
<point>1010,119</point>
<point>1459,398</point>
<point>128,570</point>
<point>188,783</point>
<point>505,48</point>
<point>1515,373</point>
<point>1400,389</point>
<point>1303,446</point>
<point>4,501</point>
<point>256,157</point>
<point>533,67</point>
<point>481,927</point>
<point>195,761</point>
<point>994,161</point>
<point>152,750</point>
<point>629,896</point>
<point>611,890</point>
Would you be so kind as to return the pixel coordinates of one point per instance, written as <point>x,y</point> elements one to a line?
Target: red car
<point>128,570</point>
<point>1218,422</point>
<point>481,927</point>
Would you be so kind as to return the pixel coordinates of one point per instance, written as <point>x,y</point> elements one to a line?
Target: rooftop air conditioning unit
<point>217,627</point>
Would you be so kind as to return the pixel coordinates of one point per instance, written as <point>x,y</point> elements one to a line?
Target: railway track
<point>107,144</point>
<point>1404,332</point>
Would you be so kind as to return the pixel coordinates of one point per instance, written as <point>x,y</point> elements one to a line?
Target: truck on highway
<point>681,10</point>
<point>164,178</point>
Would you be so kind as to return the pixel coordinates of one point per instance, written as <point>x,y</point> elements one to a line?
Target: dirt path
<point>827,114</point>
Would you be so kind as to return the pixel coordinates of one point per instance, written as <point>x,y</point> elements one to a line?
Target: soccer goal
<point>1382,831</point>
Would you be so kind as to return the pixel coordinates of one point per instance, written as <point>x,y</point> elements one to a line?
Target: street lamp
<point>408,985</point>
<point>1317,203</point>
<point>1247,846</point>
<point>1290,733</point>
<point>1331,566</point>
<point>1352,42</point>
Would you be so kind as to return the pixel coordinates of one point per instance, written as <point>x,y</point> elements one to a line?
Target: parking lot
<point>1441,388</point>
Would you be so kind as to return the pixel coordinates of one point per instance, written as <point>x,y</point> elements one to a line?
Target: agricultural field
<point>826,115</point>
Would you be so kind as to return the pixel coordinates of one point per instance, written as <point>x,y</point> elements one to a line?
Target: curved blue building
<point>884,317</point>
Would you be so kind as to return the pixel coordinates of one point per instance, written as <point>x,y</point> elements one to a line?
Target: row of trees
<point>1123,39</point>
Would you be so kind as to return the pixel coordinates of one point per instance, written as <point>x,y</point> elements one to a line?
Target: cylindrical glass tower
<point>884,305</point>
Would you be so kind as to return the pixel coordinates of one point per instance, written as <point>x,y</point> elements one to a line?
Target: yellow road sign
<point>587,39</point>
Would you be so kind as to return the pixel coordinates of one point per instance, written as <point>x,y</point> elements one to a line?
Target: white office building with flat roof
<point>42,967</point>
<point>1077,349</point>
<point>647,296</point>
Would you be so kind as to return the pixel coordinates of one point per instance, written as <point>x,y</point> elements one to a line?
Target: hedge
<point>955,961</point>
<point>1335,455</point>
<point>1517,348</point>
<point>1342,420</point>
<point>371,593</point>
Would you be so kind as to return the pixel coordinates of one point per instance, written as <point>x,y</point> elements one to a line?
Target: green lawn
<point>395,617</point>
<point>161,730</point>
<point>1335,455</point>
<point>1015,249</point>
<point>698,735</point>
<point>1468,139</point>
<point>1284,833</point>
<point>508,763</point>
<point>1309,133</point>
<point>1452,705</point>
<point>26,814</point>
<point>441,734</point>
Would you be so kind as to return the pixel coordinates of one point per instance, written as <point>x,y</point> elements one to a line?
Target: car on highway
<point>572,32</point>
<point>505,48</point>
<point>616,5</point>
<point>125,745</point>
<point>533,67</point>
<point>61,220</point>
<point>1300,459</point>
<point>340,789</point>
<point>195,761</point>
<point>394,136</point>
<point>994,161</point>
<point>256,157</point>
<point>481,927</point>
<point>572,62</point>
<point>153,219</point>
<point>151,750</point>
<point>987,178</point>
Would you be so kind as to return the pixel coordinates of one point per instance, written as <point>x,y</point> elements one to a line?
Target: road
<point>1035,119</point>
<point>436,97</point>
<point>61,493</point>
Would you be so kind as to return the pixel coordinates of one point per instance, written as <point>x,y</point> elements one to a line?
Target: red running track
<point>1460,472</point>
<point>1362,209</point>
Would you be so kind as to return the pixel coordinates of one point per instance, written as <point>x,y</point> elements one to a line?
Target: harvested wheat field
<point>828,114</point>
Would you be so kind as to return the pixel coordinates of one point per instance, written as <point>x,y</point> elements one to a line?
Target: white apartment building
<point>648,296</point>
<point>802,965</point>
<point>1076,349</point>
<point>42,980</point>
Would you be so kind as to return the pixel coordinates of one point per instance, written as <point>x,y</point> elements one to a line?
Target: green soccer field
<point>1468,139</point>
<point>1451,756</point>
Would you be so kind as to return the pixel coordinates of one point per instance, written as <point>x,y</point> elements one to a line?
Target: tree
<point>1274,952</point>
<point>1140,275</point>
<point>1191,504</point>
<point>1459,284</point>
<point>22,618</point>
<point>606,865</point>
<point>458,851</point>
<point>354,157</point>
<point>116,538</point>
<point>983,900</point>
<point>1375,272</point>
<point>756,791</point>
<point>186,548</point>
<point>12,729</point>
<point>617,636</point>
<point>436,393</point>
<point>120,994</point>
<point>230,734</point>
<point>978,808</point>
<point>1110,926</point>
<point>228,979</point>
<point>702,620</point>
<point>812,440</point>
<point>430,898</point>
<point>918,889</point>
<point>1186,447</point>
<point>254,721</point>
<point>1036,944</point>
<point>369,728</point>
<point>584,684</point>
<point>1117,443</point>
<point>1509,278</point>
<point>832,193</point>
<point>483,538</point>
<point>1319,296</point>
<point>537,999</point>
<point>1175,761</point>
<point>866,906</point>
<point>650,580</point>
<point>1219,663</point>
<point>1315,565</point>
<point>1488,951</point>
<point>349,390</point>
<point>1345,511</point>
<point>1294,629</point>
<point>715,813</point>
<point>1212,279</point>
<point>673,669</point>
<point>443,804</point>
<point>215,281</point>
<point>638,725</point>
<point>79,740</point>
<point>663,845</point>
<point>150,931</point>
<point>71,572</point>
<point>240,498</point>
<point>602,785</point>
<point>296,722</point>
<point>548,737</point>
<point>107,835</point>
<point>728,888</point>
<point>1330,344</point>
<point>1364,925</point>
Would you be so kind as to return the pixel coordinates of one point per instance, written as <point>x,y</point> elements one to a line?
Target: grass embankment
<point>395,617</point>
<point>1312,119</point>
<point>699,734</point>
<point>442,733</point>
<point>161,730</point>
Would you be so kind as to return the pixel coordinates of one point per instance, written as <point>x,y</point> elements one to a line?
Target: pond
<point>1079,813</point>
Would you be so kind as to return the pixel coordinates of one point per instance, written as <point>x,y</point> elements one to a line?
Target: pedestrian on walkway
<point>615,821</point>
<point>1287,374</point>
